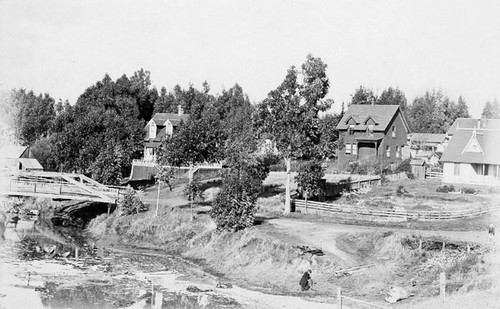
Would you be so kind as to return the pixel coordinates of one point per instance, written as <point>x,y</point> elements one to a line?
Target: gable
<point>473,144</point>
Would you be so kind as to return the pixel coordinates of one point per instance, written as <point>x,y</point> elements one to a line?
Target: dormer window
<point>369,129</point>
<point>351,129</point>
<point>393,131</point>
<point>169,128</point>
<point>152,130</point>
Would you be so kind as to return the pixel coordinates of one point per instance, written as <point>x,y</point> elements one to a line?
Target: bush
<point>468,191</point>
<point>445,189</point>
<point>234,206</point>
<point>131,203</point>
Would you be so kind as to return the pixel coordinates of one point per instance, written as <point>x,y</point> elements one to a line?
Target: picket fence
<point>393,213</point>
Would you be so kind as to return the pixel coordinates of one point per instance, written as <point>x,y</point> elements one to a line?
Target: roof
<point>382,115</point>
<point>425,154</point>
<point>489,143</point>
<point>470,123</point>
<point>427,138</point>
<point>12,152</point>
<point>418,162</point>
<point>30,164</point>
<point>160,118</point>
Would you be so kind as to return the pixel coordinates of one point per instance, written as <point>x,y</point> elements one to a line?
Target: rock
<point>396,294</point>
<point>195,289</point>
<point>222,285</point>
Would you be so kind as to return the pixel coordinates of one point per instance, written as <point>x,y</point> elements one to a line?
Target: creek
<point>42,268</point>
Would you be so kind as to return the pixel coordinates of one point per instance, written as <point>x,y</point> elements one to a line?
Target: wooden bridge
<point>60,186</point>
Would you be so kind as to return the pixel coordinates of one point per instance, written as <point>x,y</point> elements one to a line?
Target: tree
<point>363,95</point>
<point>309,179</point>
<point>393,96</point>
<point>491,110</point>
<point>328,144</point>
<point>33,115</point>
<point>166,176</point>
<point>234,206</point>
<point>435,112</point>
<point>289,115</point>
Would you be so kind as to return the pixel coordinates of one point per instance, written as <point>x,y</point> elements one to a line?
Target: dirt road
<point>323,235</point>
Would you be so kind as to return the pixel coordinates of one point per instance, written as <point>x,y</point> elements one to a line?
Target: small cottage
<point>18,158</point>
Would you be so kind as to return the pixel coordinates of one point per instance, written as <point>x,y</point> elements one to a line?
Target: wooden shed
<point>418,168</point>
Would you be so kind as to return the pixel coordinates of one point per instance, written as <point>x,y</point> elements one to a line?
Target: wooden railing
<point>395,213</point>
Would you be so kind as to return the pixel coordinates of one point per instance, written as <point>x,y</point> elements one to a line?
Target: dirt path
<point>323,235</point>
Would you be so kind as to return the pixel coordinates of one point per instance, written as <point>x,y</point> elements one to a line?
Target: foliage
<point>404,166</point>
<point>104,127</point>
<point>234,206</point>
<point>309,178</point>
<point>130,203</point>
<point>289,114</point>
<point>435,113</point>
<point>491,110</point>
<point>194,191</point>
<point>44,151</point>
<point>166,176</point>
<point>32,115</point>
<point>363,95</point>
<point>393,96</point>
<point>468,191</point>
<point>328,144</point>
<point>445,189</point>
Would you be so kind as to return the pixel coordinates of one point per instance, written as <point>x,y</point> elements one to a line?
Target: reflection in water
<point>38,269</point>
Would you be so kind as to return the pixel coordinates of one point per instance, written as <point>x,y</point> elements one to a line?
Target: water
<point>38,269</point>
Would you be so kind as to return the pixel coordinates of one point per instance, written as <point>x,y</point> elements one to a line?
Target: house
<point>158,128</point>
<point>429,157</point>
<point>371,132</point>
<point>471,156</point>
<point>18,158</point>
<point>426,142</point>
<point>469,123</point>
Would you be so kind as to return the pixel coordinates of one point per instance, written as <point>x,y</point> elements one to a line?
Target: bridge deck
<point>61,186</point>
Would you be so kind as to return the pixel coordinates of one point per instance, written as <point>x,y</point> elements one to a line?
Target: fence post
<point>442,285</point>
<point>420,245</point>
<point>76,253</point>
<point>339,297</point>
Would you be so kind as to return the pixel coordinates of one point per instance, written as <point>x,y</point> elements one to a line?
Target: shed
<point>418,168</point>
<point>28,164</point>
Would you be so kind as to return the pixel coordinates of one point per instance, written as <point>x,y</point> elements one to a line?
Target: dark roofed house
<point>471,156</point>
<point>426,142</point>
<point>158,128</point>
<point>372,132</point>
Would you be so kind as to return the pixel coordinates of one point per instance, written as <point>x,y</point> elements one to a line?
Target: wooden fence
<point>435,174</point>
<point>389,214</point>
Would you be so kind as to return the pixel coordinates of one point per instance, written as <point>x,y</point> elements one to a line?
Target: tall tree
<point>462,111</point>
<point>491,110</point>
<point>363,95</point>
<point>328,144</point>
<point>290,114</point>
<point>393,96</point>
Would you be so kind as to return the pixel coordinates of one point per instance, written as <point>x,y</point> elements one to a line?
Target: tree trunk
<point>288,206</point>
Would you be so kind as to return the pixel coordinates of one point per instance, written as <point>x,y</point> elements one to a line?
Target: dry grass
<point>488,299</point>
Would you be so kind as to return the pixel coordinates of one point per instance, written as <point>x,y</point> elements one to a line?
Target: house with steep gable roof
<point>158,128</point>
<point>18,158</point>
<point>471,157</point>
<point>371,132</point>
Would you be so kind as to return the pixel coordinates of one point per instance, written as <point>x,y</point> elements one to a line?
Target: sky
<point>62,47</point>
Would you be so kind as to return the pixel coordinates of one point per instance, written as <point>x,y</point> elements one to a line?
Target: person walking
<point>306,282</point>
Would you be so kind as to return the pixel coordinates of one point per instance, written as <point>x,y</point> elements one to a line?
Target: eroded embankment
<point>257,258</point>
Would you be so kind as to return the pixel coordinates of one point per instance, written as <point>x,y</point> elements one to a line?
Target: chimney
<point>180,111</point>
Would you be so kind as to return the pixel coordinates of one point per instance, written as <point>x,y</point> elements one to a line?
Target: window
<point>456,169</point>
<point>355,149</point>
<point>347,148</point>
<point>393,131</point>
<point>351,129</point>
<point>478,168</point>
<point>398,149</point>
<point>369,129</point>
<point>152,130</point>
<point>388,151</point>
<point>169,128</point>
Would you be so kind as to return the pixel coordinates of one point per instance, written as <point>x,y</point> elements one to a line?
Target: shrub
<point>468,191</point>
<point>309,178</point>
<point>445,189</point>
<point>233,208</point>
<point>130,202</point>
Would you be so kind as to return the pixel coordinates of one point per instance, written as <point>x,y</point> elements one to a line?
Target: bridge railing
<point>57,188</point>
